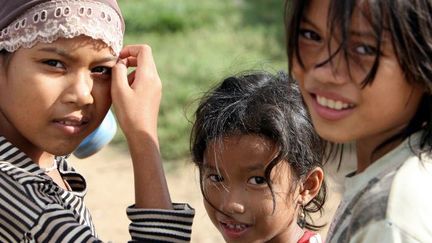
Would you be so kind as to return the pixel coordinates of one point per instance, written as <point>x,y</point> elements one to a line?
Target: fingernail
<point>122,61</point>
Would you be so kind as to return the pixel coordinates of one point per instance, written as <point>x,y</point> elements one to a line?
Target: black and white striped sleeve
<point>156,225</point>
<point>36,210</point>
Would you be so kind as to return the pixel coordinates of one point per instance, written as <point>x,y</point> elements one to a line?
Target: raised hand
<point>136,96</point>
<point>136,99</point>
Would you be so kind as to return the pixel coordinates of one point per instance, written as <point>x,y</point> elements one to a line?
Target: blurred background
<point>195,45</point>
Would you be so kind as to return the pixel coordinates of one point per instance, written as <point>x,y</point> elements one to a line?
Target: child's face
<point>54,95</point>
<point>234,183</point>
<point>340,108</point>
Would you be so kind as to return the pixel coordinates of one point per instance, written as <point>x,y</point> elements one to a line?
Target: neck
<point>296,234</point>
<point>292,234</point>
<point>368,151</point>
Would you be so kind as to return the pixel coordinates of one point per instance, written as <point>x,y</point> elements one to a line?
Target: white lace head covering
<point>53,19</point>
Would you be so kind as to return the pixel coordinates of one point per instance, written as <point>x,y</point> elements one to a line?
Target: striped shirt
<point>35,209</point>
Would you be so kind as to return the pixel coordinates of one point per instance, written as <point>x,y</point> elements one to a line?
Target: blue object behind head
<point>98,138</point>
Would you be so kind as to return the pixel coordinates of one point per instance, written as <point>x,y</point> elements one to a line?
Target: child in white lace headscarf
<point>61,66</point>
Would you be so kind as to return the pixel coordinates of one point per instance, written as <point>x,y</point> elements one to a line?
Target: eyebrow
<point>208,167</point>
<point>308,21</point>
<point>367,34</point>
<point>357,33</point>
<point>352,32</point>
<point>255,167</point>
<point>251,168</point>
<point>65,54</point>
<point>370,34</point>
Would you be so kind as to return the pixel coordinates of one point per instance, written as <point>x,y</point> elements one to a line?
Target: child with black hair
<point>61,64</point>
<point>259,160</point>
<point>364,68</point>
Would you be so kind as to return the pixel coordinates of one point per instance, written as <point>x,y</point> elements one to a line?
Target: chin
<point>62,149</point>
<point>61,152</point>
<point>334,136</point>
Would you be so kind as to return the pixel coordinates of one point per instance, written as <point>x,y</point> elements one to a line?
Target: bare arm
<point>136,99</point>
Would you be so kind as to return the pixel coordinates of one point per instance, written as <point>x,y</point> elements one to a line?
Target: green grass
<point>197,45</point>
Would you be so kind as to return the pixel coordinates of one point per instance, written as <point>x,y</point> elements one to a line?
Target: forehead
<point>245,155</point>
<point>316,8</point>
<point>78,49</point>
<point>244,152</point>
<point>77,44</point>
<point>340,12</point>
<point>233,143</point>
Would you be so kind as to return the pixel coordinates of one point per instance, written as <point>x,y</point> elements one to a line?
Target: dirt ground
<point>110,191</point>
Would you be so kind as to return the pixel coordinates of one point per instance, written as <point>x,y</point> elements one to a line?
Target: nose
<point>79,89</point>
<point>233,203</point>
<point>332,66</point>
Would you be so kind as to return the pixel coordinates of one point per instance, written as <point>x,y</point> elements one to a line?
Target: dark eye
<point>365,49</point>
<point>101,70</point>
<point>215,178</point>
<point>54,63</point>
<point>257,180</point>
<point>309,35</point>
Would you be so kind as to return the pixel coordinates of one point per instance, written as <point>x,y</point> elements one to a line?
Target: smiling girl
<point>364,68</point>
<point>259,160</point>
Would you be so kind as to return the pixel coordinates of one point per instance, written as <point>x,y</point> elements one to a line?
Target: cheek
<point>298,71</point>
<point>282,215</point>
<point>34,97</point>
<point>101,93</point>
<point>211,211</point>
<point>395,109</point>
<point>392,91</point>
<point>213,193</point>
<point>101,86</point>
<point>209,208</point>
<point>283,197</point>
<point>262,204</point>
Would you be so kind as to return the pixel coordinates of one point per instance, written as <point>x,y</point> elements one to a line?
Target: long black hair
<point>266,105</point>
<point>408,23</point>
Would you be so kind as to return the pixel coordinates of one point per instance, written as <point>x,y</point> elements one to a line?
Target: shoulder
<point>384,231</point>
<point>13,179</point>
<point>19,210</point>
<point>399,200</point>
<point>395,199</point>
<point>409,205</point>
<point>23,190</point>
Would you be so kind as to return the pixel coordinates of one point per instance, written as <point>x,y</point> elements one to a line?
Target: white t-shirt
<point>391,201</point>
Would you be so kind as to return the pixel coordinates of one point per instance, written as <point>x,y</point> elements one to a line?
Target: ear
<point>311,185</point>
